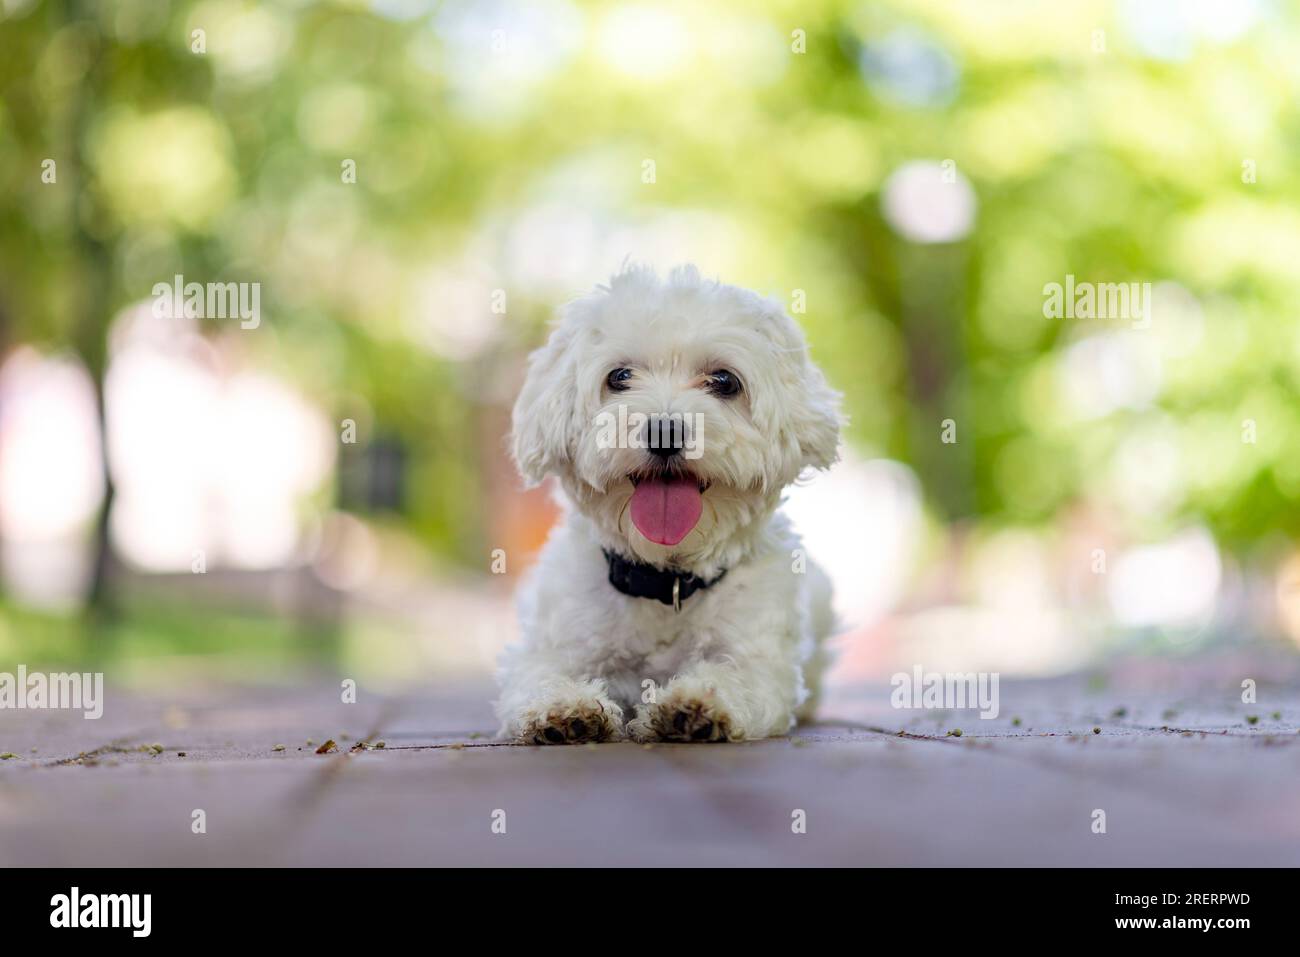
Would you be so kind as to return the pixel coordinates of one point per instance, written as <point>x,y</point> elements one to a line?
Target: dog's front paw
<point>684,715</point>
<point>575,718</point>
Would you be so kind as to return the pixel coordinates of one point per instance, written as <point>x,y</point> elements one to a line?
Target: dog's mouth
<point>666,504</point>
<point>668,475</point>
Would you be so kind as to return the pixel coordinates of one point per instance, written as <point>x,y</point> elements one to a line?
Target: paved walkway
<point>1183,779</point>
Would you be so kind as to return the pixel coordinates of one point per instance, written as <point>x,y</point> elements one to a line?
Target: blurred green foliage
<point>1119,164</point>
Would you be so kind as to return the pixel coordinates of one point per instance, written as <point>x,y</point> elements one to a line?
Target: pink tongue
<point>665,510</point>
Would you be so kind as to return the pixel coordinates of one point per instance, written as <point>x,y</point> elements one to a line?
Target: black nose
<point>663,436</point>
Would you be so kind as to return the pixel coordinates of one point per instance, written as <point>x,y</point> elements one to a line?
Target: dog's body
<point>739,658</point>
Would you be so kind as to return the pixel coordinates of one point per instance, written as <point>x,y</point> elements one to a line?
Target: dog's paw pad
<point>691,721</point>
<point>572,726</point>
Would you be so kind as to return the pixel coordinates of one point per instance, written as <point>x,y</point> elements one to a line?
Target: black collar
<point>641,580</point>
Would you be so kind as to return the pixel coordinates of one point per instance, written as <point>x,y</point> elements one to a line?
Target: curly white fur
<point>741,659</point>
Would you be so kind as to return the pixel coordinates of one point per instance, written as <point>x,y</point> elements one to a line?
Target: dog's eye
<point>618,380</point>
<point>724,383</point>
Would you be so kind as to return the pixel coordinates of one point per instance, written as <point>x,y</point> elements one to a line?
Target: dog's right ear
<point>544,426</point>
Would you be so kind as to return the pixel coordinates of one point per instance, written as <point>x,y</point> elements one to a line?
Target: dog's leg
<point>544,708</point>
<point>722,701</point>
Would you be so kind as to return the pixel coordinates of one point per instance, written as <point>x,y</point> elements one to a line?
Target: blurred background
<point>416,185</point>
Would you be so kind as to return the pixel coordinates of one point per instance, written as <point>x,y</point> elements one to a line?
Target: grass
<point>148,638</point>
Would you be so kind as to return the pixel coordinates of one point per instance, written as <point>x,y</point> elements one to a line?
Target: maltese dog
<point>673,602</point>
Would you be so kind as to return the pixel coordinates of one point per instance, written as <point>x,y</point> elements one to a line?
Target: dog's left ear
<point>795,405</point>
<point>545,423</point>
<point>815,422</point>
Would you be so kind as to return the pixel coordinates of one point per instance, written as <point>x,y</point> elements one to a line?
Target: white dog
<point>673,602</point>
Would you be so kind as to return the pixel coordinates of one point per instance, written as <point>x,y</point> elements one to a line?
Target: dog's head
<point>673,413</point>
